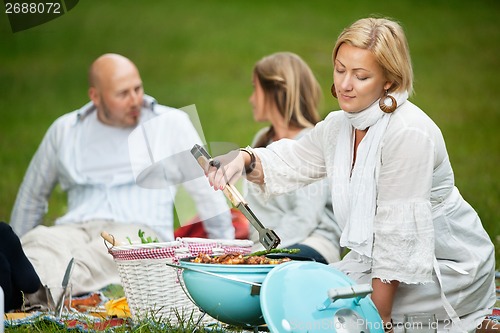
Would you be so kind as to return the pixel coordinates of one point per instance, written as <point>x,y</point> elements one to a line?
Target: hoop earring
<point>387,108</point>
<point>333,91</point>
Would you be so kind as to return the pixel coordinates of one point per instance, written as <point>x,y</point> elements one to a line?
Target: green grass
<point>202,52</point>
<point>45,325</point>
<point>183,324</point>
<point>179,322</point>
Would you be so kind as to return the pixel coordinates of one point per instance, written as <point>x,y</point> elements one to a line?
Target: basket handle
<point>110,239</point>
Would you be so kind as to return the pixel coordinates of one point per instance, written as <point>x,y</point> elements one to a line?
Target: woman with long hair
<point>287,95</point>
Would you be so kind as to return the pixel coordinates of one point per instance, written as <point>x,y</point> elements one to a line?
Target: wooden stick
<point>110,239</point>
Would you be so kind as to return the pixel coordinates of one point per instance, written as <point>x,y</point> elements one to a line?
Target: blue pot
<point>290,297</point>
<point>227,297</point>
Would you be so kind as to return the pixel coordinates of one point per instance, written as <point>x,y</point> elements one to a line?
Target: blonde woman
<point>286,94</point>
<point>411,234</point>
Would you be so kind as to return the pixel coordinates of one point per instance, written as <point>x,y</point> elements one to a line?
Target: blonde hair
<point>386,40</point>
<point>289,82</point>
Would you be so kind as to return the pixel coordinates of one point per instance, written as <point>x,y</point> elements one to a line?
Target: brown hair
<point>288,82</point>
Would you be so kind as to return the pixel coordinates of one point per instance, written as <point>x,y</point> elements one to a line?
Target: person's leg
<point>50,250</point>
<point>94,267</point>
<point>17,275</point>
<point>24,276</point>
<point>6,282</point>
<point>488,326</point>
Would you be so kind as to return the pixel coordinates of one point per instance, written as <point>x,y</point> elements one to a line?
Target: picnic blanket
<point>77,322</point>
<point>85,323</point>
<point>94,317</point>
<point>91,313</point>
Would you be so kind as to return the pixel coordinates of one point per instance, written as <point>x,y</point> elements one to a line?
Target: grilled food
<point>237,259</point>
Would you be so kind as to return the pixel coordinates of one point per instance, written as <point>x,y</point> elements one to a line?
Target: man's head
<point>115,87</point>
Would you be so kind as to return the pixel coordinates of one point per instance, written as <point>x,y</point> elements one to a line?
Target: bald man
<point>87,153</point>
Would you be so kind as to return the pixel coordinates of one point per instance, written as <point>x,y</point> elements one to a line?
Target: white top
<point>105,149</point>
<point>420,214</point>
<point>297,216</point>
<point>92,163</point>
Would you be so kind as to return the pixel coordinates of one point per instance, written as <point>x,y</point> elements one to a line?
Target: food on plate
<point>238,259</point>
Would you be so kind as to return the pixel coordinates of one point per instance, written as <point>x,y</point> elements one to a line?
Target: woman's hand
<point>226,169</point>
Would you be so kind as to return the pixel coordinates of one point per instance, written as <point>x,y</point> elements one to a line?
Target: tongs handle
<point>233,195</point>
<point>203,159</point>
<point>268,238</point>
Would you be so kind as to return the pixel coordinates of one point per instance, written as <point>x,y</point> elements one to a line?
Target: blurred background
<point>202,53</point>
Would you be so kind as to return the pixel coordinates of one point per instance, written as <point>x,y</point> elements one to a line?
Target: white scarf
<point>354,192</point>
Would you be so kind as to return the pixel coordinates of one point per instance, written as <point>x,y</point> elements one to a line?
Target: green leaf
<point>265,252</point>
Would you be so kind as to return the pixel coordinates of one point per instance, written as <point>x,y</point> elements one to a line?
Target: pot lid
<point>314,297</point>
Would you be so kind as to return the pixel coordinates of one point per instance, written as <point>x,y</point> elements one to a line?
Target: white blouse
<point>421,219</point>
<point>302,216</point>
<point>96,167</point>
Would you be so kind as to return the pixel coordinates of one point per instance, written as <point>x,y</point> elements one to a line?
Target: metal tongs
<point>267,237</point>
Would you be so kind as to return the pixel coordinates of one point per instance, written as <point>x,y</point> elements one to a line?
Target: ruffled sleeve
<point>403,247</point>
<point>404,243</point>
<point>291,164</point>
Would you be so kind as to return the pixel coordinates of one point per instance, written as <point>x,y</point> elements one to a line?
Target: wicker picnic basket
<point>154,289</point>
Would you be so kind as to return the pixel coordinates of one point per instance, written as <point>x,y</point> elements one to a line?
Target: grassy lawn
<point>202,53</point>
<point>144,326</point>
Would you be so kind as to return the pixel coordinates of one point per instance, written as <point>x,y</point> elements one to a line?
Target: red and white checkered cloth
<point>146,253</point>
<point>181,248</point>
